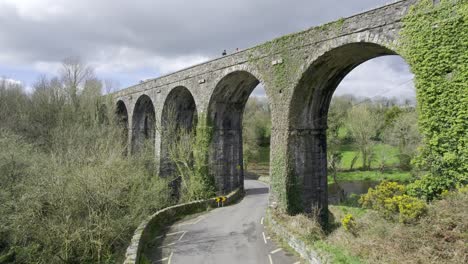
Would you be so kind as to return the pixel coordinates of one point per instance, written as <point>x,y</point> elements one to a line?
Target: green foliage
<point>403,133</point>
<point>392,115</point>
<point>188,151</point>
<point>434,41</point>
<point>337,254</point>
<point>430,186</point>
<point>201,182</point>
<point>363,125</point>
<point>375,175</point>
<point>256,130</point>
<point>68,193</point>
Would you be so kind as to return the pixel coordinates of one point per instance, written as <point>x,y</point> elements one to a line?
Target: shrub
<point>430,186</point>
<point>375,198</point>
<point>389,199</point>
<point>463,189</point>
<point>409,209</point>
<point>349,223</point>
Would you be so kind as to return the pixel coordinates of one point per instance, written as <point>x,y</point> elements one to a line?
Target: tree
<point>403,133</point>
<point>111,86</point>
<point>363,124</point>
<point>74,74</point>
<point>256,129</point>
<point>336,121</point>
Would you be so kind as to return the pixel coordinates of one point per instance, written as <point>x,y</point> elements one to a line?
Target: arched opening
<point>372,131</point>
<point>143,127</point>
<point>256,136</point>
<point>225,113</point>
<point>121,115</point>
<point>308,121</point>
<point>179,118</point>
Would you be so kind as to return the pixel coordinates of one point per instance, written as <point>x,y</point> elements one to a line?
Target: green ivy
<point>434,41</point>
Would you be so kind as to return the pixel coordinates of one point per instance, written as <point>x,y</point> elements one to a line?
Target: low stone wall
<point>294,242</point>
<point>166,216</point>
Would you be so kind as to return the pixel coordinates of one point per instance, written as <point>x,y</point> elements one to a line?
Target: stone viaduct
<point>299,72</point>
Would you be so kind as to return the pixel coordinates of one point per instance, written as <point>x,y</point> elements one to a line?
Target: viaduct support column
<point>309,153</point>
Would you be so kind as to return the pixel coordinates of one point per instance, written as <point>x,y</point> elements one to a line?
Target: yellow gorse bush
<point>349,223</point>
<point>375,198</point>
<point>409,208</point>
<point>389,199</point>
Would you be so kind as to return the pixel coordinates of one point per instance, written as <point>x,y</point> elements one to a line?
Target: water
<point>349,187</point>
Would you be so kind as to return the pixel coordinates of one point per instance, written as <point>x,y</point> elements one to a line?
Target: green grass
<point>342,132</point>
<point>263,157</point>
<point>338,254</point>
<point>260,165</point>
<point>394,175</point>
<point>339,211</point>
<point>382,151</point>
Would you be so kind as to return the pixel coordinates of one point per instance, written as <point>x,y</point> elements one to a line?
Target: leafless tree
<point>74,74</point>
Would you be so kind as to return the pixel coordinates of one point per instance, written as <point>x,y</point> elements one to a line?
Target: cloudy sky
<point>128,41</point>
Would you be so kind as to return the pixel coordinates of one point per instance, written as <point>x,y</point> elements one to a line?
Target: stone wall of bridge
<point>299,73</point>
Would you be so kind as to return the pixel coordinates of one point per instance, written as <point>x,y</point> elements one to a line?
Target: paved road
<point>232,234</point>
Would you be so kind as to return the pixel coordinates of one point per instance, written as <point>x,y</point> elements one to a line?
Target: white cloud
<point>10,81</point>
<point>47,67</point>
<point>127,59</point>
<point>387,76</point>
<point>129,41</point>
<point>17,83</point>
<point>37,10</point>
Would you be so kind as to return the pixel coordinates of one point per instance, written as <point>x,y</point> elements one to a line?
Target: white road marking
<point>161,260</point>
<point>297,262</point>
<point>171,244</point>
<point>180,238</point>
<point>264,238</point>
<point>199,219</point>
<point>170,234</point>
<point>192,223</point>
<point>170,258</point>
<point>269,257</point>
<point>261,221</point>
<point>276,250</point>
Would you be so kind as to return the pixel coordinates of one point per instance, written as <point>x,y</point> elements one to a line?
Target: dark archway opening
<point>308,122</point>
<point>225,113</point>
<point>256,137</point>
<point>121,115</point>
<point>179,119</point>
<point>143,127</point>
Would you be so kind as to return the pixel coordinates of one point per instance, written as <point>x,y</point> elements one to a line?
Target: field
<point>259,167</point>
<point>386,154</point>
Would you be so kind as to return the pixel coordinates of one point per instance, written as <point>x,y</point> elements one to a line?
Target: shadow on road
<point>256,191</point>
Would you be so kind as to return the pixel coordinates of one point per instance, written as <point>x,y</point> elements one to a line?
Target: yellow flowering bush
<point>409,209</point>
<point>375,198</point>
<point>463,189</point>
<point>349,223</point>
<point>389,199</point>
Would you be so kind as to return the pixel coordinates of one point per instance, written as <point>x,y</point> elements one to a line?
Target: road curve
<point>232,234</point>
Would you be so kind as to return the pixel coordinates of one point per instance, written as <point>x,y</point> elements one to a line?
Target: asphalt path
<point>231,234</point>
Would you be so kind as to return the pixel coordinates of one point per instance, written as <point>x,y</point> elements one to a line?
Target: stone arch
<point>225,111</point>
<point>179,116</point>
<point>311,99</point>
<point>121,115</point>
<point>143,124</point>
